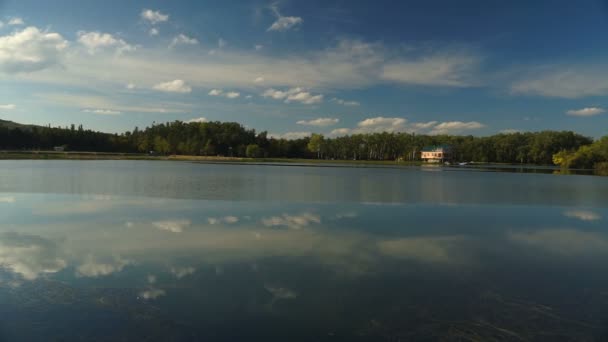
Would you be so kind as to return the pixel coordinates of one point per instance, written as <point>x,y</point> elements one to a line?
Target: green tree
<point>253,151</point>
<point>315,144</point>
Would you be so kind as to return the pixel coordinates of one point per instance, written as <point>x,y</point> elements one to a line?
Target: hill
<point>13,125</point>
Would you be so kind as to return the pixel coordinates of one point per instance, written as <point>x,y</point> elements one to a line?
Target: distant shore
<point>77,155</point>
<point>53,155</point>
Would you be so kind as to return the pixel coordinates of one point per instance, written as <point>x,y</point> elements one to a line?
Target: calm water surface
<point>170,251</point>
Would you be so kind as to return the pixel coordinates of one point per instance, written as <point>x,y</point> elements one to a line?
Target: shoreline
<point>475,166</point>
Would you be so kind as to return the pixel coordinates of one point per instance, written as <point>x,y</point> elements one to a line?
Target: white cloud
<point>345,103</point>
<point>152,294</point>
<point>259,79</point>
<point>455,127</point>
<point>297,94</point>
<point>340,132</point>
<point>221,43</point>
<point>180,272</point>
<point>320,122</point>
<point>175,86</point>
<point>258,47</point>
<point>292,221</point>
<point>30,50</point>
<point>588,111</point>
<point>102,111</point>
<point>228,95</point>
<point>583,215</point>
<point>249,96</point>
<point>16,21</point>
<point>382,124</point>
<point>182,39</point>
<point>93,269</point>
<point>225,219</point>
<point>131,86</point>
<point>29,256</point>
<point>201,119</point>
<point>95,41</point>
<point>173,226</point>
<point>154,17</point>
<point>8,106</point>
<point>291,135</point>
<point>394,124</point>
<point>285,23</point>
<point>151,279</point>
<point>153,31</point>
<point>349,64</point>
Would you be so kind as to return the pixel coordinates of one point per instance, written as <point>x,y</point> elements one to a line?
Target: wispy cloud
<point>283,23</point>
<point>175,86</point>
<point>292,221</point>
<point>152,294</point>
<point>153,17</point>
<point>8,106</point>
<point>583,215</point>
<point>291,135</point>
<point>201,119</point>
<point>587,111</point>
<point>455,127</point>
<point>180,272</point>
<point>320,122</point>
<point>228,95</point>
<point>82,101</point>
<point>16,21</point>
<point>102,111</point>
<point>565,81</point>
<point>345,102</point>
<point>395,124</point>
<point>173,226</point>
<point>225,219</point>
<point>297,94</point>
<point>182,39</point>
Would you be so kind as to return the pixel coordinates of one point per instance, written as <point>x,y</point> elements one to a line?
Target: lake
<point>178,251</point>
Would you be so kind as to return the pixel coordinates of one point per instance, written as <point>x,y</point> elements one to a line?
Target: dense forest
<point>233,139</point>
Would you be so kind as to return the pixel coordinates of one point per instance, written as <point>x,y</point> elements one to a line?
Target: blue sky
<point>296,67</point>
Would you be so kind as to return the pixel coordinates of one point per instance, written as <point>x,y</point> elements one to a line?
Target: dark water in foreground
<point>168,251</point>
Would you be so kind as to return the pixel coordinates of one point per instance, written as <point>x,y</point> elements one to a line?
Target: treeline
<point>233,139</point>
<point>585,157</point>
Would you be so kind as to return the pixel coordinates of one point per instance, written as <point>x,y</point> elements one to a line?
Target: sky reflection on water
<point>163,268</point>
